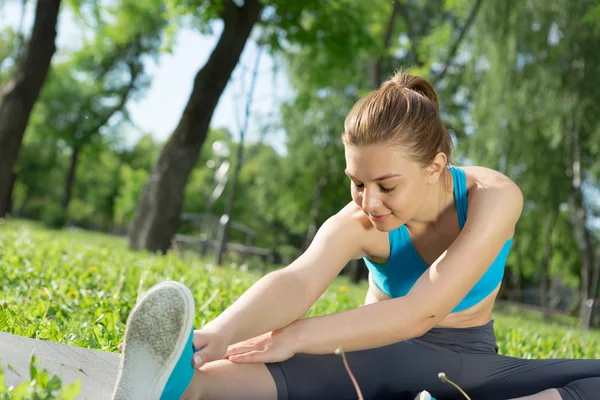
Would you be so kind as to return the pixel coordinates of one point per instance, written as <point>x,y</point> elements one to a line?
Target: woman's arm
<point>284,296</point>
<point>492,216</point>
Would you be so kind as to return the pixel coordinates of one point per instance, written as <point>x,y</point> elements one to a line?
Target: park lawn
<point>76,287</point>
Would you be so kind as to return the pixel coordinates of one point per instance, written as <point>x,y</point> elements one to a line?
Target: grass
<point>77,288</point>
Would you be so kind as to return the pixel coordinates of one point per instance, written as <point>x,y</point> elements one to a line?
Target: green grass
<point>77,288</point>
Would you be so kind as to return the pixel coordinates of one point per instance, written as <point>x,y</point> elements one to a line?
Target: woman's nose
<point>370,201</point>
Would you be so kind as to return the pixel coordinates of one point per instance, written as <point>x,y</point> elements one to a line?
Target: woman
<point>435,239</point>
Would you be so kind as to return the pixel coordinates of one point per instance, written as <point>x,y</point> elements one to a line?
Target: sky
<point>159,110</point>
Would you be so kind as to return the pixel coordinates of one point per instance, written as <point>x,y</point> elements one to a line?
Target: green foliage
<point>528,91</point>
<point>84,91</point>
<point>77,288</point>
<point>8,50</point>
<point>131,184</point>
<point>85,95</point>
<point>42,385</point>
<point>527,334</point>
<point>97,186</point>
<point>314,125</point>
<point>198,13</point>
<point>331,32</point>
<point>523,72</point>
<point>200,184</point>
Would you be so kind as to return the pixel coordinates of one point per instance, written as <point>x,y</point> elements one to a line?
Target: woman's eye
<point>357,187</point>
<point>385,190</point>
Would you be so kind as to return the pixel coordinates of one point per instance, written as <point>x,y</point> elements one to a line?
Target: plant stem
<point>444,378</point>
<point>340,351</point>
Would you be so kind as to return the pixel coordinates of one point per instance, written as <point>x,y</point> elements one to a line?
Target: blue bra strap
<point>460,194</point>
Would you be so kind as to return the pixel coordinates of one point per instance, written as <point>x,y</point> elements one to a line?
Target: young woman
<point>435,238</point>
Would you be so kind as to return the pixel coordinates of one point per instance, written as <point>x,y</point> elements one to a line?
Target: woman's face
<point>389,187</point>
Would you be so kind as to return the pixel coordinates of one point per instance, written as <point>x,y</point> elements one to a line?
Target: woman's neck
<point>438,201</point>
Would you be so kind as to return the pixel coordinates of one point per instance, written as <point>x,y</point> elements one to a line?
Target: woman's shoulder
<point>483,177</point>
<point>489,189</point>
<point>353,218</point>
<point>352,222</point>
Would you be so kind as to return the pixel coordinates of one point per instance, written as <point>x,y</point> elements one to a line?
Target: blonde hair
<point>404,111</point>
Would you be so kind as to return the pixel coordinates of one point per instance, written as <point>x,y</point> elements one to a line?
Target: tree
<point>157,215</point>
<point>239,162</point>
<point>20,93</point>
<point>333,25</point>
<point>538,115</point>
<point>90,90</point>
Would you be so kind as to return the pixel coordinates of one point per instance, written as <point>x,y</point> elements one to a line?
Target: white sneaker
<point>157,357</point>
<point>424,395</point>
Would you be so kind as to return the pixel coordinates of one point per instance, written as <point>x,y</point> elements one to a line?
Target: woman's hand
<point>211,345</point>
<point>271,347</point>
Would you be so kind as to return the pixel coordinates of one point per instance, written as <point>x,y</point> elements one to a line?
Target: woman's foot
<point>157,357</point>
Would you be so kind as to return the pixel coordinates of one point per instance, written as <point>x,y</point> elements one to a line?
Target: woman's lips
<point>380,218</point>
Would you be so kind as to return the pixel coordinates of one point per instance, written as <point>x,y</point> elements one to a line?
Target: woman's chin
<point>387,225</point>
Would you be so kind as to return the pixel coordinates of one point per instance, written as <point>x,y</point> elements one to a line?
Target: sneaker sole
<point>157,331</point>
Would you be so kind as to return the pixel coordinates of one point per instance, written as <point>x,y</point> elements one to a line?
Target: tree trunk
<point>9,197</point>
<point>594,285</point>
<point>583,237</point>
<point>222,238</point>
<point>545,281</point>
<point>357,270</point>
<point>458,41</point>
<point>376,65</point>
<point>20,92</point>
<point>504,285</point>
<point>70,179</point>
<point>224,231</point>
<point>314,212</point>
<point>157,214</point>
<point>515,276</point>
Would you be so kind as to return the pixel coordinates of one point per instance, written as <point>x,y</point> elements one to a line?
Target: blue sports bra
<point>404,266</point>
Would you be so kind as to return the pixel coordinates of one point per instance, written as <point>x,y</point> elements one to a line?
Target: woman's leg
<point>550,394</point>
<point>157,363</point>
<point>224,380</point>
<point>399,371</point>
<point>497,377</point>
<point>582,389</point>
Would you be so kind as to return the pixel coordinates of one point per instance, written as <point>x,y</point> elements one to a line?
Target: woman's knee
<point>582,389</point>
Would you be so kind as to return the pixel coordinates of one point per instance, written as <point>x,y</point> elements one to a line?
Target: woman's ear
<point>435,169</point>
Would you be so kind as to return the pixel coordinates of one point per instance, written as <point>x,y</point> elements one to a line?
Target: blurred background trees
<point>518,83</point>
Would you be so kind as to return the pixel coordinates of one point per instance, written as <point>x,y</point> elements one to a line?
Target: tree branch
<point>135,71</point>
<point>459,40</point>
<point>390,26</point>
<point>410,32</point>
<point>376,66</point>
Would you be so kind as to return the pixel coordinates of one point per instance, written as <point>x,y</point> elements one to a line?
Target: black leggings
<point>468,356</point>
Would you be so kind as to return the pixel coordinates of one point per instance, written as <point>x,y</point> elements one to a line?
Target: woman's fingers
<point>200,339</point>
<point>255,356</point>
<point>238,349</point>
